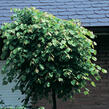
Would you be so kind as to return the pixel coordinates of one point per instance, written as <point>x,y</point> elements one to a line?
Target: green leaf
<point>93,51</point>
<point>95,43</point>
<point>73,82</point>
<point>62,46</point>
<point>94,58</point>
<point>78,76</point>
<point>36,70</point>
<point>86,92</point>
<point>63,41</point>
<point>54,41</point>
<point>11,47</point>
<point>72,32</point>
<point>48,84</point>
<point>104,71</point>
<point>50,58</point>
<point>26,42</point>
<point>97,78</point>
<point>89,33</point>
<point>60,79</point>
<point>93,84</point>
<point>23,77</point>
<point>98,67</point>
<point>68,50</point>
<point>41,67</point>
<point>39,81</point>
<point>14,51</point>
<point>70,42</point>
<point>50,75</point>
<point>41,108</point>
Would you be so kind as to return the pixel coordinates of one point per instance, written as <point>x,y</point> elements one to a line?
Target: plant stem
<point>54,99</point>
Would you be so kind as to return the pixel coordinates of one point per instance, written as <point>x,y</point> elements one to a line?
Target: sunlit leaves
<point>60,79</point>
<point>41,66</point>
<point>94,58</point>
<point>41,108</point>
<point>104,71</point>
<point>55,42</point>
<point>86,92</point>
<point>48,84</point>
<point>93,84</point>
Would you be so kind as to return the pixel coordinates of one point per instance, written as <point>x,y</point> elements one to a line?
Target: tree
<point>47,55</point>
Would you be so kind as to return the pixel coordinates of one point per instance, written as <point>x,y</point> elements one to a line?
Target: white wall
<point>8,96</point>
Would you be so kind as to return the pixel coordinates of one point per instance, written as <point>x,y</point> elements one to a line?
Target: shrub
<point>46,54</point>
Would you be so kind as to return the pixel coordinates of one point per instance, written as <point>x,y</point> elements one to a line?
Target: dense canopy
<point>44,53</point>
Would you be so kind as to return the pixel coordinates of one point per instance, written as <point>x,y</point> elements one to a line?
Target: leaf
<point>11,47</point>
<point>93,84</point>
<point>41,108</point>
<point>72,32</point>
<point>50,75</point>
<point>73,82</point>
<point>39,81</point>
<point>68,50</point>
<point>14,51</point>
<point>60,79</point>
<point>97,78</point>
<point>63,41</point>
<point>50,58</point>
<point>41,67</point>
<point>98,67</point>
<point>104,71</point>
<point>86,92</point>
<point>26,42</point>
<point>94,58</point>
<point>36,70</point>
<point>23,77</point>
<point>48,84</point>
<point>54,41</point>
<point>86,78</point>
<point>90,34</point>
<point>62,46</point>
<point>93,51</point>
<point>70,42</point>
<point>95,43</point>
<point>78,76</point>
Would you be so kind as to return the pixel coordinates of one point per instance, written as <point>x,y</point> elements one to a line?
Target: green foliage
<point>44,52</point>
<point>41,108</point>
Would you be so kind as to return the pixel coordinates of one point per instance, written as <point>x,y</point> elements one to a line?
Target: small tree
<point>48,55</point>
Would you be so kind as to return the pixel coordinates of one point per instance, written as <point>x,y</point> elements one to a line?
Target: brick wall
<point>99,96</point>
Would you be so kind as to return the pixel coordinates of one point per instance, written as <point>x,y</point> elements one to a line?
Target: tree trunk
<point>54,99</point>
